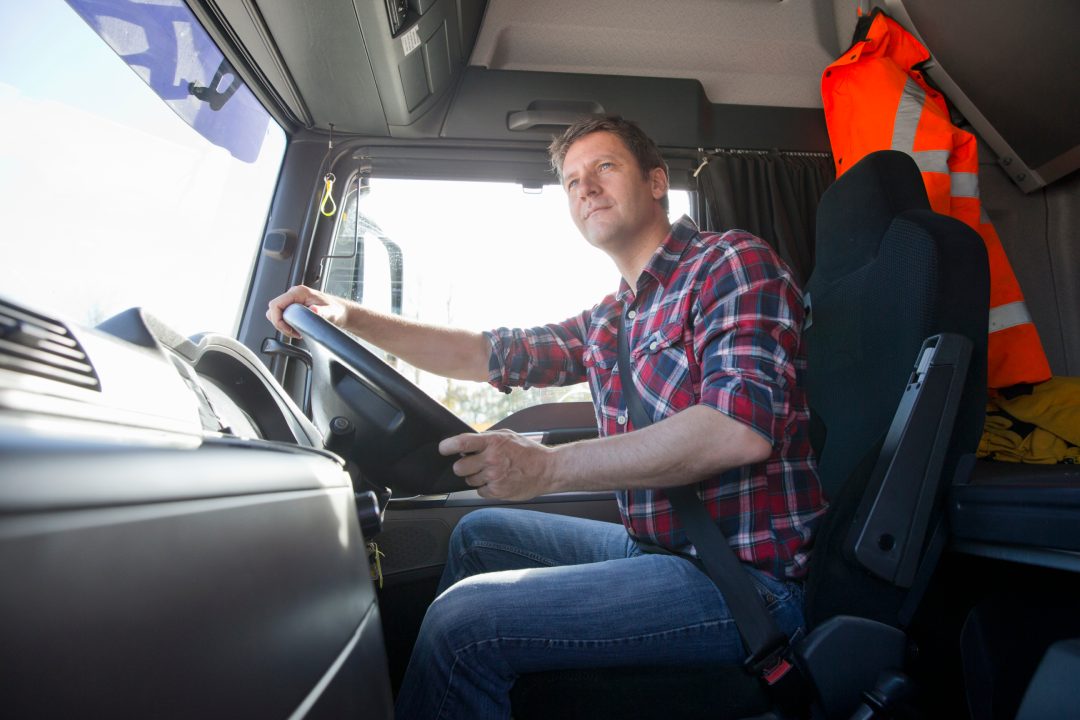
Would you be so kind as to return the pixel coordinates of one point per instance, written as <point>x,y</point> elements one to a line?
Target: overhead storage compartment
<point>372,67</point>
<point>525,105</point>
<point>416,56</point>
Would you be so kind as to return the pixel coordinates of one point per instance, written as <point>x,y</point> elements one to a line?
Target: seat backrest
<point>888,273</point>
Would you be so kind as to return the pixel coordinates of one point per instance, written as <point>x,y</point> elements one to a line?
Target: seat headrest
<point>857,210</point>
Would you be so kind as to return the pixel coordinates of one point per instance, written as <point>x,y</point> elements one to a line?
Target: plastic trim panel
<point>231,607</point>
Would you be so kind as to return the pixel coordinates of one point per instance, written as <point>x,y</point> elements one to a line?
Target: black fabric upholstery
<point>889,273</point>
<point>872,293</point>
<point>644,693</point>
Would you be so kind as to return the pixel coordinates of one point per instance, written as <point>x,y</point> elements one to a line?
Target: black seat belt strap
<point>753,620</point>
<point>768,646</point>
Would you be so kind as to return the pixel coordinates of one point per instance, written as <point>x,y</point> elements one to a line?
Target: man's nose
<point>587,186</point>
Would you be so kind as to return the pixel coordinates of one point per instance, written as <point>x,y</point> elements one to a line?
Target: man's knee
<point>474,527</point>
<point>460,616</point>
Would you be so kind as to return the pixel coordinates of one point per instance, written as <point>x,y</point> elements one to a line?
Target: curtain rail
<point>740,151</point>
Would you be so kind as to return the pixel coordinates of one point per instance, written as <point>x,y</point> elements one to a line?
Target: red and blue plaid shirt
<point>718,322</point>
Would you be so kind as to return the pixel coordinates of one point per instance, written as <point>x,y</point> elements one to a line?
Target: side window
<point>477,255</point>
<point>368,271</point>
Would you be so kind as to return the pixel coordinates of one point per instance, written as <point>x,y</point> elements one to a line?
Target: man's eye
<point>571,184</point>
<point>604,166</point>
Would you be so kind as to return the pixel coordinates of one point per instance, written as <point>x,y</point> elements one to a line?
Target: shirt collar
<point>665,260</point>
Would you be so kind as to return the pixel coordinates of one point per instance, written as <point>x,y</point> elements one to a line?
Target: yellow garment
<point>1053,408</point>
<point>1053,405</point>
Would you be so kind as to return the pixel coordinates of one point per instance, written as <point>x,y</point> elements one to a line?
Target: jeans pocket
<point>772,591</point>
<point>784,599</point>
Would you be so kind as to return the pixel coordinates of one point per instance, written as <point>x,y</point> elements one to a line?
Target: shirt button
<point>653,345</point>
<point>621,419</point>
<point>631,314</point>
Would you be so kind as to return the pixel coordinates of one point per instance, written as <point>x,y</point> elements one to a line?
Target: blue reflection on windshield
<point>165,45</point>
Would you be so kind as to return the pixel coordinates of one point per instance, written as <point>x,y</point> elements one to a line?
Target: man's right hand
<point>325,306</point>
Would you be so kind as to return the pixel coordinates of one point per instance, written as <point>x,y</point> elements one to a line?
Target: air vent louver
<point>34,344</point>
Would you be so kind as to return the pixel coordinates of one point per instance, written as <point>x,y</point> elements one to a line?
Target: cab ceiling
<point>744,52</point>
<point>319,63</point>
<point>336,62</point>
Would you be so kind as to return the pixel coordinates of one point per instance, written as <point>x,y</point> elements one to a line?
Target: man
<point>714,326</point>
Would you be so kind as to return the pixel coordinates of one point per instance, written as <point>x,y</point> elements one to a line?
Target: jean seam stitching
<point>592,643</point>
<point>512,549</point>
<point>449,684</point>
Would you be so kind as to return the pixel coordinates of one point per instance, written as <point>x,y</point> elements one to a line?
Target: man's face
<point>611,200</point>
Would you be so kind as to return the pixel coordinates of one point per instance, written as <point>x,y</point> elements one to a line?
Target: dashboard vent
<point>34,344</point>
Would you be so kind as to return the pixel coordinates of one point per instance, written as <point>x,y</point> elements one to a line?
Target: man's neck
<point>636,255</point>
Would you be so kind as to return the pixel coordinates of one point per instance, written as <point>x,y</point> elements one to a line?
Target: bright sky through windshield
<point>108,199</point>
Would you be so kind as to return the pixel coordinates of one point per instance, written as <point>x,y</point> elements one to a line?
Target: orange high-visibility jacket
<point>875,99</point>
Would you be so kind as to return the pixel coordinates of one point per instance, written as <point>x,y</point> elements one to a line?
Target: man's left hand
<point>501,464</point>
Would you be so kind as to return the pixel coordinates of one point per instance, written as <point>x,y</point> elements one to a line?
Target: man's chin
<point>602,240</point>
<point>597,231</point>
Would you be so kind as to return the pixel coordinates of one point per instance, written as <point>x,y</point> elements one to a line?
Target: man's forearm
<point>693,445</point>
<point>690,446</point>
<point>445,351</point>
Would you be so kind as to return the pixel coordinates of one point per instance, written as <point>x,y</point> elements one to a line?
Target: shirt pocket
<point>665,339</point>
<point>661,363</point>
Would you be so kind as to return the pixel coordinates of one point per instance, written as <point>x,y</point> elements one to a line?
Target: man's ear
<point>658,182</point>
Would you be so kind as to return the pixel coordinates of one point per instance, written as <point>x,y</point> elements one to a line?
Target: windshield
<point>135,168</point>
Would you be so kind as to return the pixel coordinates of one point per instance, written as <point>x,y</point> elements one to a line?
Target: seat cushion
<point>717,692</point>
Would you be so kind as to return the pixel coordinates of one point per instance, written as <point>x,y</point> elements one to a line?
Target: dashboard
<point>174,539</point>
<point>137,376</point>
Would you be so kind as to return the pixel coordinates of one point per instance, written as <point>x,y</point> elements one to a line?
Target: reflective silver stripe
<point>932,160</point>
<point>905,125</point>
<point>908,113</point>
<point>965,185</point>
<point>1007,316</point>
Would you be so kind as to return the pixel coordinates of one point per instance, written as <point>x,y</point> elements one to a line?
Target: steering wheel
<point>398,426</point>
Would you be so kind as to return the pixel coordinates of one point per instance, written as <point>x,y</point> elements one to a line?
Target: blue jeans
<point>527,591</point>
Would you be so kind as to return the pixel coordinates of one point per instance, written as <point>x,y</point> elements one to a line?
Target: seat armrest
<point>889,530</point>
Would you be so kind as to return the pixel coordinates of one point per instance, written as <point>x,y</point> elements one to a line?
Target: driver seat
<point>889,275</point>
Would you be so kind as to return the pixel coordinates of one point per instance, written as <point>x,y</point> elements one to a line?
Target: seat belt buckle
<point>772,664</point>
<point>776,673</point>
<point>782,677</point>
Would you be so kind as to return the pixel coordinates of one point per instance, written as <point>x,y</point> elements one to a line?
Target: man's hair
<point>636,141</point>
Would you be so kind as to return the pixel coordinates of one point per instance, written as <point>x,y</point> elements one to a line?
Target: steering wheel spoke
<point>398,426</point>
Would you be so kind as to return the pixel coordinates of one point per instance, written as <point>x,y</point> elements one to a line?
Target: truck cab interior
<point>202,517</point>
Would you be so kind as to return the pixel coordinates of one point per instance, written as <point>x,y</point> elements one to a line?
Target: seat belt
<point>770,657</point>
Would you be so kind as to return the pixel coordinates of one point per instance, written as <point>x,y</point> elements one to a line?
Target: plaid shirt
<point>717,321</point>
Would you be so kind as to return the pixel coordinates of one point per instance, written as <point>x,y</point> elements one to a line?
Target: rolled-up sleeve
<point>747,336</point>
<point>538,357</point>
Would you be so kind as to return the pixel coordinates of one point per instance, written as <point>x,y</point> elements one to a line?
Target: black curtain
<point>773,195</point>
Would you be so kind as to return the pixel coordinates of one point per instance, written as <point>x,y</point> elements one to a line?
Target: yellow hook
<point>328,207</point>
